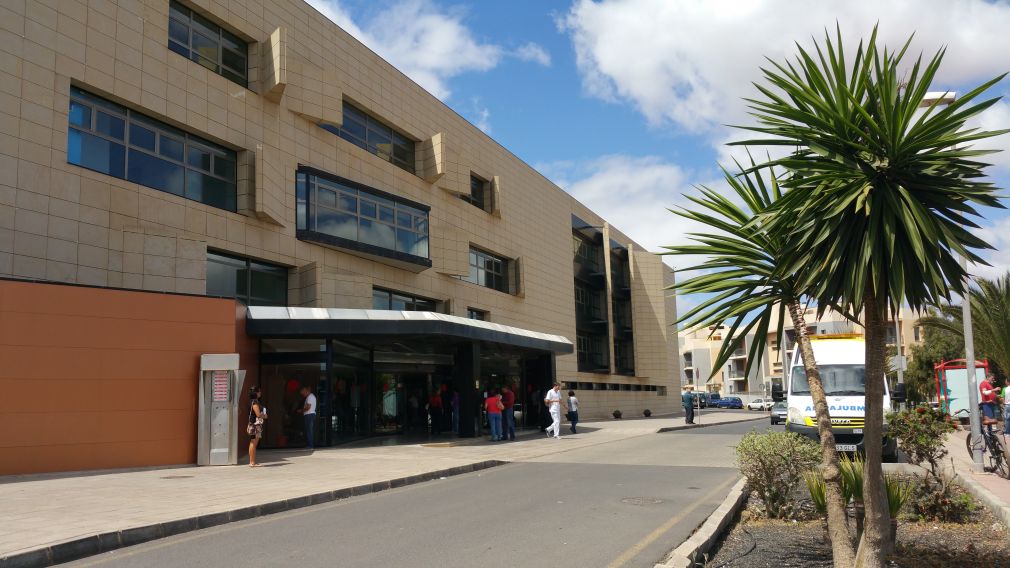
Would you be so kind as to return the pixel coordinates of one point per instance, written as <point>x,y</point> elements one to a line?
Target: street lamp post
<point>969,357</point>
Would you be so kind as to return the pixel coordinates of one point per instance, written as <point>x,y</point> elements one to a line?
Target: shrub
<point>773,463</point>
<point>617,415</point>
<point>899,491</point>
<point>647,412</point>
<point>852,477</point>
<point>921,434</point>
<point>818,496</point>
<point>946,503</point>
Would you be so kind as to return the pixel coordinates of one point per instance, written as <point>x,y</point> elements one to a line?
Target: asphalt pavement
<point>623,503</point>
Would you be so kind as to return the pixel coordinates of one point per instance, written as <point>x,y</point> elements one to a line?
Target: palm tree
<point>990,318</point>
<point>740,273</point>
<point>879,201</point>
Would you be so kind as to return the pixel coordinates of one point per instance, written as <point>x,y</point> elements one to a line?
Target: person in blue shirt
<point>688,401</point>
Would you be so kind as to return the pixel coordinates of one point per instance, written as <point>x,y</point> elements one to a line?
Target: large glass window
<point>351,212</point>
<point>838,380</point>
<point>371,134</point>
<point>488,270</point>
<point>586,252</point>
<point>588,302</point>
<point>478,193</point>
<point>252,282</point>
<point>390,300</point>
<point>117,141</point>
<point>195,37</point>
<point>592,353</point>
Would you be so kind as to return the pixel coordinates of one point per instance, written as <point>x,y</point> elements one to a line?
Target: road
<point>624,503</point>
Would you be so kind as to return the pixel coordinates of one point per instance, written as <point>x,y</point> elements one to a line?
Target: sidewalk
<point>997,488</point>
<point>42,511</point>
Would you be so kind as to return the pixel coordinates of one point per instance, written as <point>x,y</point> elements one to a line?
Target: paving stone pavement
<point>43,510</point>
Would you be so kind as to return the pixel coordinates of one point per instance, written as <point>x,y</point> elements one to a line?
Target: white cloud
<point>997,117</point>
<point>480,115</point>
<point>688,63</point>
<point>997,233</point>
<point>533,52</point>
<point>429,44</point>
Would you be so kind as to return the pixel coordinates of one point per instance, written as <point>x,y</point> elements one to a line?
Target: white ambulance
<point>840,359</point>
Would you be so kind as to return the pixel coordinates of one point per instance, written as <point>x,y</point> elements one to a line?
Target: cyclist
<point>988,393</point>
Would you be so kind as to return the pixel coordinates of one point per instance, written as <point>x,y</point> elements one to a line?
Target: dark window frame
<point>587,252</point>
<point>133,124</point>
<point>412,301</point>
<point>250,266</point>
<point>196,25</point>
<point>480,194</point>
<point>371,133</point>
<point>388,209</point>
<point>476,314</point>
<point>492,266</point>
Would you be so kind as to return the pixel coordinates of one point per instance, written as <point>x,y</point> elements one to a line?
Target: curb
<point>694,426</point>
<point>688,553</point>
<point>105,542</point>
<point>991,501</point>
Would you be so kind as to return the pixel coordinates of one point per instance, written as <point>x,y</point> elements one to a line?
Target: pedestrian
<point>308,412</point>
<point>573,410</point>
<point>688,401</point>
<point>257,415</point>
<point>508,399</point>
<point>435,412</point>
<point>1006,409</point>
<point>553,403</point>
<point>494,406</point>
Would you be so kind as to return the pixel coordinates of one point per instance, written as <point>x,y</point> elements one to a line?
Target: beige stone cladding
<point>65,223</point>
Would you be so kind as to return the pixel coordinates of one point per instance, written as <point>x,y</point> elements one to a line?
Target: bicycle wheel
<point>998,455</point>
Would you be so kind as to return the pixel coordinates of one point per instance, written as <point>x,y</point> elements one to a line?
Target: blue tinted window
<point>156,157</point>
<point>148,170</point>
<point>94,153</point>
<point>371,134</point>
<point>203,41</point>
<point>357,214</point>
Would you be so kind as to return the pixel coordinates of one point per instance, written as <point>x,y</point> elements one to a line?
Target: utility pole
<point>969,358</point>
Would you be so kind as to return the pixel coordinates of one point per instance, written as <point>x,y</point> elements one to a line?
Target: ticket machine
<point>218,414</point>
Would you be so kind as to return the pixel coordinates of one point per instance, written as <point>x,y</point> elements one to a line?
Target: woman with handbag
<point>573,410</point>
<point>257,415</point>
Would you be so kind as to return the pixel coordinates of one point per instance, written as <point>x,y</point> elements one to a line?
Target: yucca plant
<point>745,291</point>
<point>899,491</point>
<point>882,188</point>
<point>815,485</point>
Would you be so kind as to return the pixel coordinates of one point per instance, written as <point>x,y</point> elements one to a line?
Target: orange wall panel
<point>96,378</point>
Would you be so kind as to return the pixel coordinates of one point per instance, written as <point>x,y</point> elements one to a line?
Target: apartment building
<point>699,350</point>
<point>207,176</point>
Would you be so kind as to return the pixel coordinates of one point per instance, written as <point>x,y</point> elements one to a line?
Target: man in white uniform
<point>553,402</point>
<point>308,411</point>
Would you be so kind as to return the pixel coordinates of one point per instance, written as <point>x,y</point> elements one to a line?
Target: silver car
<point>779,413</point>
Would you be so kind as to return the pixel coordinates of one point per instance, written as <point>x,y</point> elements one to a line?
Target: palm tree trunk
<point>843,552</point>
<point>876,542</point>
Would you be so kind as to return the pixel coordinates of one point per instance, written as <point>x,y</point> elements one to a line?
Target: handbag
<point>250,429</point>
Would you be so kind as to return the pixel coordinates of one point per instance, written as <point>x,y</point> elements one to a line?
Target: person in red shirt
<point>494,406</point>
<point>435,412</point>
<point>508,400</point>
<point>988,393</point>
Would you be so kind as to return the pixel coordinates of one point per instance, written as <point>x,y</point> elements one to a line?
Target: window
<point>591,351</point>
<point>476,314</point>
<point>624,357</point>
<point>369,133</point>
<point>915,332</point>
<point>488,270</point>
<point>346,212</point>
<point>389,300</point>
<point>251,282</point>
<point>114,140</point>
<point>194,37</point>
<point>478,193</point>
<point>587,302</point>
<point>586,253</point>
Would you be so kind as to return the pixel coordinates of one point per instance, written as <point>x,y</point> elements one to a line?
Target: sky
<point>625,103</point>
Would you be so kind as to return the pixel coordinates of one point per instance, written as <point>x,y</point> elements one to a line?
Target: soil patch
<point>754,542</point>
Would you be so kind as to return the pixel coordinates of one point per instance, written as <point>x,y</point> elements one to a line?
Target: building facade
<point>700,348</point>
<point>254,150</point>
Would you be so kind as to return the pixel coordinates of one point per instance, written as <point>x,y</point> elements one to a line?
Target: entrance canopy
<point>303,322</point>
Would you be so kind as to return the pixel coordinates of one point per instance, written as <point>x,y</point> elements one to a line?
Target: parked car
<point>779,412</point>
<point>701,399</point>
<point>760,404</point>
<point>713,399</point>
<point>730,402</point>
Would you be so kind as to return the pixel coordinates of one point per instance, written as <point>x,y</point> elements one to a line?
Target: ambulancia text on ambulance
<point>841,361</point>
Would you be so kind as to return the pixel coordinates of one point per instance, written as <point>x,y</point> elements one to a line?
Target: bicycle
<point>994,450</point>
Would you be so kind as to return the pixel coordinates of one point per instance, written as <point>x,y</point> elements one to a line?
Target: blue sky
<point>624,103</point>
